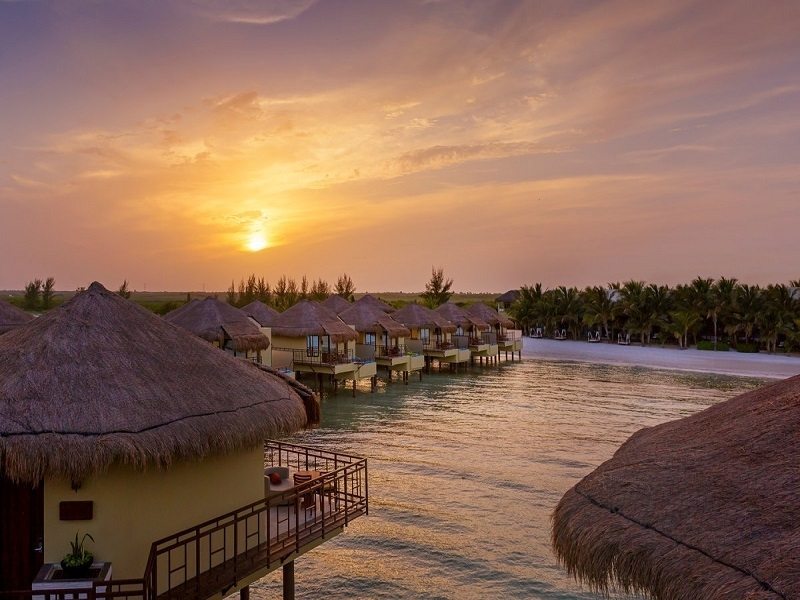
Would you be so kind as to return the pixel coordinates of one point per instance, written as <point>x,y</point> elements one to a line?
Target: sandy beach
<point>768,366</point>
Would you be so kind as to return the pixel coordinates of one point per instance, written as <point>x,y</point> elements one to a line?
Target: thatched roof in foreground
<point>459,316</point>
<point>215,321</point>
<point>374,302</point>
<point>416,316</point>
<point>703,507</point>
<point>488,314</point>
<point>310,318</point>
<point>100,381</point>
<point>265,315</point>
<point>368,318</point>
<point>336,303</point>
<point>12,317</point>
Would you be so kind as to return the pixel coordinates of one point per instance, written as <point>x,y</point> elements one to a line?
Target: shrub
<point>748,347</point>
<point>706,345</point>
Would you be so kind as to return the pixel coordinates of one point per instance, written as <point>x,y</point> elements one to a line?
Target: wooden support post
<point>244,593</point>
<point>288,581</point>
<point>354,387</point>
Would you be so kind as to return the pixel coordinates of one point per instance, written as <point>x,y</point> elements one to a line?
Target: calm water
<point>465,471</point>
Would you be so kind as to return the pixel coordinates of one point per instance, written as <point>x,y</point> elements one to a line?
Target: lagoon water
<point>465,470</point>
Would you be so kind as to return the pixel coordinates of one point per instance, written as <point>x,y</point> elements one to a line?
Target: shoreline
<point>761,366</point>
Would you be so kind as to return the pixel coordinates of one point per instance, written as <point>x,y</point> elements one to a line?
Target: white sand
<point>772,366</point>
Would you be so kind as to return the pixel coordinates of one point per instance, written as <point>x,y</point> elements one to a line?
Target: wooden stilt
<point>354,387</point>
<point>288,581</point>
<point>244,593</point>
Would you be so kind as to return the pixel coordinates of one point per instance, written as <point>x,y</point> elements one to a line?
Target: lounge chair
<point>624,341</point>
<point>594,338</point>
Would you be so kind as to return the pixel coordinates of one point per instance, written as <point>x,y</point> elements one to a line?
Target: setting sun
<point>257,241</point>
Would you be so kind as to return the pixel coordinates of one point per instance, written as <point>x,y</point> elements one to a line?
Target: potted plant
<point>77,562</point>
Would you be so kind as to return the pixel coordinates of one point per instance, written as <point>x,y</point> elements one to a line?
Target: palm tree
<point>528,307</point>
<point>776,317</point>
<point>747,308</point>
<point>683,321</point>
<point>635,308</point>
<point>700,296</point>
<point>723,294</point>
<point>569,308</point>
<point>659,304</point>
<point>599,309</point>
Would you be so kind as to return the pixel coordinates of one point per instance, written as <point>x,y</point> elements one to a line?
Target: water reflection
<point>466,469</point>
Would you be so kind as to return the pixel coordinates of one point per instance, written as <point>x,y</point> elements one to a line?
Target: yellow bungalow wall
<point>133,509</point>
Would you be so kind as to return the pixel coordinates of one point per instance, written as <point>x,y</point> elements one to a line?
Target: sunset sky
<point>183,144</point>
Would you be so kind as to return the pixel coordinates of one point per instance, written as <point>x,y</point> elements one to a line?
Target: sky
<point>181,145</point>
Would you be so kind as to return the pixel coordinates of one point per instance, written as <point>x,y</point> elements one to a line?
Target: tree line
<point>711,312</point>
<point>286,292</point>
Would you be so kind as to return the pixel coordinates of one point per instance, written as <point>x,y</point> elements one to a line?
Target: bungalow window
<point>369,339</point>
<point>384,342</point>
<point>459,330</point>
<point>312,345</point>
<point>425,335</point>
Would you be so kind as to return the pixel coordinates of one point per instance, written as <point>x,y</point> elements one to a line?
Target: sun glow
<point>257,241</point>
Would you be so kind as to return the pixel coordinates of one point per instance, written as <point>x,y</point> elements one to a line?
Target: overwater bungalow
<point>117,424</point>
<point>508,338</point>
<point>223,325</point>
<point>261,313</point>
<point>505,301</point>
<point>382,339</point>
<point>12,317</point>
<point>471,332</point>
<point>431,335</point>
<point>309,339</point>
<point>336,303</point>
<point>374,302</point>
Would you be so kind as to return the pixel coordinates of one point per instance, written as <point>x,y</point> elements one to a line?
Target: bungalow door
<point>21,534</point>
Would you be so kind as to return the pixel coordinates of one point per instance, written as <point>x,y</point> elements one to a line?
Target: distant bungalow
<point>382,338</point>
<point>12,317</point>
<point>336,304</point>
<point>309,339</point>
<point>508,338</point>
<point>471,331</point>
<point>261,313</point>
<point>431,335</point>
<point>118,424</point>
<point>505,301</point>
<point>374,302</point>
<point>223,325</point>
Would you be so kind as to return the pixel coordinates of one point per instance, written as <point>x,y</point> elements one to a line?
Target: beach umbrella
<point>705,507</point>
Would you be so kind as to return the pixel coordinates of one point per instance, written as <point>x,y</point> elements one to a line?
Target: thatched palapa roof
<point>509,297</point>
<point>703,507</point>
<point>367,318</point>
<point>101,381</point>
<point>336,303</point>
<point>310,318</point>
<point>215,321</point>
<point>416,316</point>
<point>12,317</point>
<point>374,302</point>
<point>265,315</point>
<point>459,316</point>
<point>490,315</point>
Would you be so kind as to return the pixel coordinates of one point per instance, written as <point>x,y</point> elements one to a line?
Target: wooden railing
<point>212,557</point>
